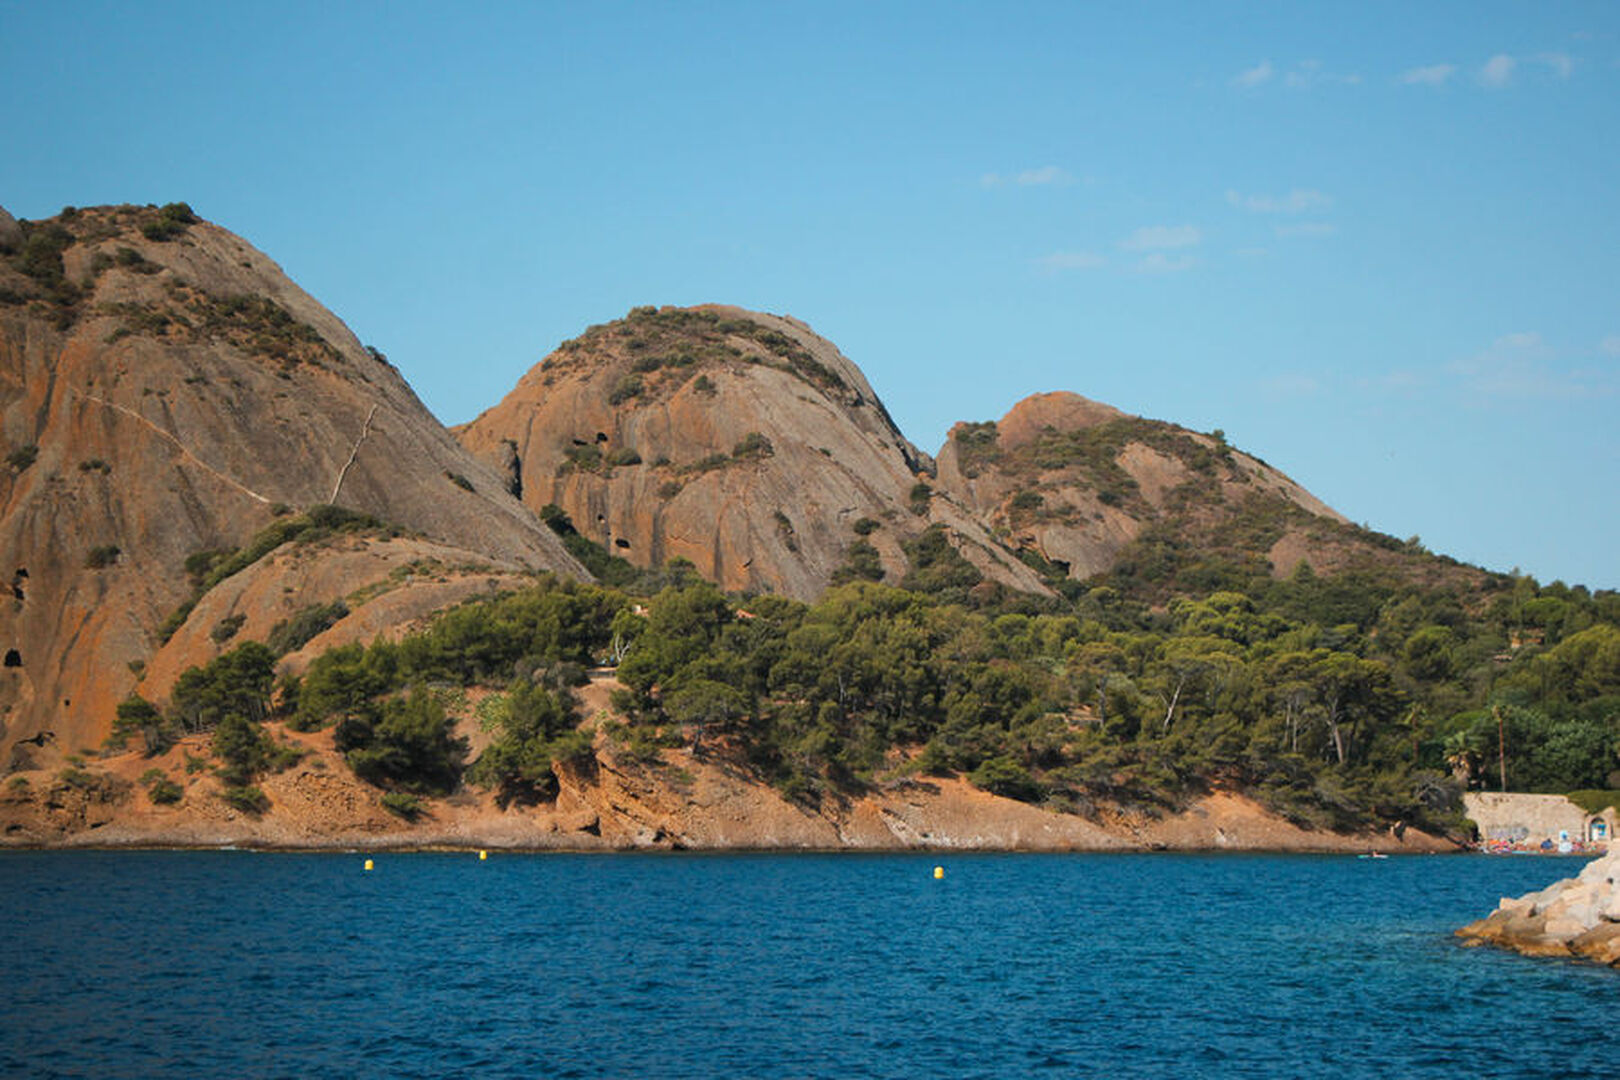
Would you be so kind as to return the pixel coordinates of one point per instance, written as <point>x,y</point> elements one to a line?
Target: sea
<point>245,964</point>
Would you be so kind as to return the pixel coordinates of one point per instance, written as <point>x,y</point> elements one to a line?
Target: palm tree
<point>1462,755</point>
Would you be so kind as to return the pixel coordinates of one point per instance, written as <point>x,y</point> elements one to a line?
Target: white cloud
<point>1520,366</point>
<point>1291,385</point>
<point>1309,73</point>
<point>1398,381</point>
<point>1256,75</point>
<point>1610,346</point>
<point>1296,201</point>
<point>1433,75</point>
<point>1302,76</point>
<point>1153,237</point>
<point>1059,261</point>
<point>1046,174</point>
<point>1561,64</point>
<point>1498,70</point>
<point>1160,263</point>
<point>1306,228</point>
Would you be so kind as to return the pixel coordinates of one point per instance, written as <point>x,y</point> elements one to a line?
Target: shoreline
<point>609,805</point>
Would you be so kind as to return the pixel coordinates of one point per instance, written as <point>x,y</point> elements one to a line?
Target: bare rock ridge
<point>740,441</point>
<point>750,446</point>
<point>1073,482</point>
<point>165,391</point>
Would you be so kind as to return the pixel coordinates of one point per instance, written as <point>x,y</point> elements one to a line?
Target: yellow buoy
<point>939,872</point>
<point>368,864</point>
<point>482,855</point>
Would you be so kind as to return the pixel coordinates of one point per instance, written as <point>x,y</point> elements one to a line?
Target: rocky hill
<point>197,455</point>
<point>742,442</point>
<point>752,447</point>
<point>1074,482</point>
<point>1079,489</point>
<point>168,395</point>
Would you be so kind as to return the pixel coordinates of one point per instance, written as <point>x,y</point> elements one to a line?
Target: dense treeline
<point>1337,700</point>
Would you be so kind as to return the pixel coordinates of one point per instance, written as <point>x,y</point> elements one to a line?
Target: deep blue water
<point>192,964</point>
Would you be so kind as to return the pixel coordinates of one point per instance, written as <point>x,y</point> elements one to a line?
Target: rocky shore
<point>614,802</point>
<point>1576,917</point>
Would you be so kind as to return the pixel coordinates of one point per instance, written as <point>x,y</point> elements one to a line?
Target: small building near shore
<point>1519,822</point>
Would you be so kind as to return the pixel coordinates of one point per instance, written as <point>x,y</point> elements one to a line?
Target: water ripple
<point>163,963</point>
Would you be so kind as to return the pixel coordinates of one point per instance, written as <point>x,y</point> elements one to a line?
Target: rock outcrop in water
<point>1576,917</point>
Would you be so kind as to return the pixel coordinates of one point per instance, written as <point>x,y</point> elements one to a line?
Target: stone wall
<point>1526,821</point>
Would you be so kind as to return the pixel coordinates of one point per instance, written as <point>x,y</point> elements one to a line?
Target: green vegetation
<point>975,446</point>
<point>586,458</point>
<point>535,727</point>
<point>40,259</point>
<point>160,789</point>
<point>170,222</point>
<point>255,324</point>
<point>1595,802</point>
<point>606,568</point>
<point>706,464</point>
<point>235,684</point>
<point>246,798</point>
<point>23,456</point>
<point>75,777</point>
<point>1368,696</point>
<point>861,563</point>
<point>137,716</point>
<point>937,568</point>
<point>259,326</point>
<point>405,743</point>
<point>630,386</point>
<point>102,556</point>
<point>226,628</point>
<point>209,568</point>
<point>402,804</point>
<point>292,634</point>
<point>38,266</point>
<point>752,447</point>
<point>674,339</point>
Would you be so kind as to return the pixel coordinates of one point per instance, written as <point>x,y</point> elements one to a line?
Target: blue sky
<point>1377,244</point>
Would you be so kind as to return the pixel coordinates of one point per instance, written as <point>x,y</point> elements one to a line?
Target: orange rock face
<point>739,441</point>
<point>1075,481</point>
<point>162,397</point>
